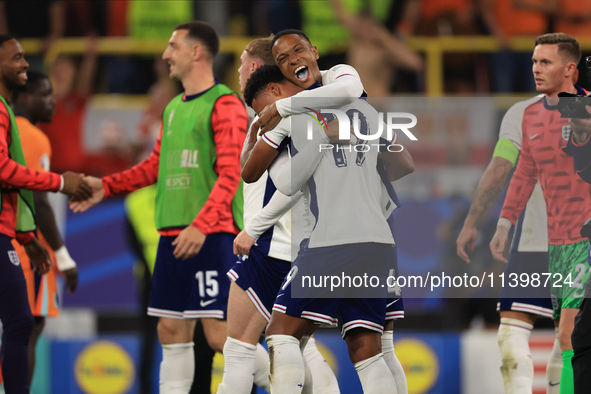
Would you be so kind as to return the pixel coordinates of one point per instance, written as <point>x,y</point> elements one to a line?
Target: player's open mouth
<point>23,74</point>
<point>301,73</point>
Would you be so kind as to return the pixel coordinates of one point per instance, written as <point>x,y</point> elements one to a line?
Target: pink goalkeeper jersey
<point>567,196</point>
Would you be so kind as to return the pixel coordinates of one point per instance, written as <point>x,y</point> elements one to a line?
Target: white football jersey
<point>344,189</point>
<point>531,230</point>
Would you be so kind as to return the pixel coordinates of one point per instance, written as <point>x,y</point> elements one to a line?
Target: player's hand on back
<point>39,256</point>
<point>75,186</point>
<point>467,237</point>
<point>243,242</point>
<point>333,133</point>
<point>498,243</point>
<point>71,276</point>
<point>98,193</point>
<point>188,243</point>
<point>268,119</point>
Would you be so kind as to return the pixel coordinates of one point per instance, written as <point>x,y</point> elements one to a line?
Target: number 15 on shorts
<point>207,283</point>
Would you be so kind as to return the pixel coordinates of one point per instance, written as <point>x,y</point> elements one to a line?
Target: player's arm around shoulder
<point>265,150</point>
<point>347,79</point>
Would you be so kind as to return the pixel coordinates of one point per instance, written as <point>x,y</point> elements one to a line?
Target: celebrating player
<point>17,221</point>
<point>555,61</point>
<point>265,86</point>
<point>198,202</point>
<point>341,85</point>
<point>266,249</point>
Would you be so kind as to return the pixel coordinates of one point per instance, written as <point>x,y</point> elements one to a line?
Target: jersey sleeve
<point>341,85</point>
<point>511,124</point>
<point>521,186</point>
<point>141,175</point>
<point>17,176</point>
<point>277,206</point>
<point>292,175</point>
<point>229,122</point>
<point>277,137</point>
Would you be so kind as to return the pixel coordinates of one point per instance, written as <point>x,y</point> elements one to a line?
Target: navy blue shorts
<point>260,276</point>
<point>394,304</point>
<point>194,288</point>
<point>324,308</point>
<point>11,272</point>
<point>530,299</point>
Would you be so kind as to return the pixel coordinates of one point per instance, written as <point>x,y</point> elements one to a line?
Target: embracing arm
<point>344,87</point>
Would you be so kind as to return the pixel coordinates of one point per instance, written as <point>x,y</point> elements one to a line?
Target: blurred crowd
<point>368,34</point>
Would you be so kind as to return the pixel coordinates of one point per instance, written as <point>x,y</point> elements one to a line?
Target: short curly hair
<point>259,80</point>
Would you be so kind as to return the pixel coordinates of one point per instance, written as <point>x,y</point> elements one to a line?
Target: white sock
<point>375,376</point>
<point>177,368</point>
<point>517,368</point>
<point>287,365</point>
<point>323,379</point>
<point>554,368</point>
<point>308,380</point>
<point>239,367</point>
<point>261,368</point>
<point>393,362</point>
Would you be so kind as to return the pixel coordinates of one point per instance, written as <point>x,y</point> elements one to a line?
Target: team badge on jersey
<point>566,132</point>
<point>13,257</point>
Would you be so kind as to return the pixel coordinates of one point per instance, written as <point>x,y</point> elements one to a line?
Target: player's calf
<point>177,368</point>
<point>517,366</point>
<point>375,376</point>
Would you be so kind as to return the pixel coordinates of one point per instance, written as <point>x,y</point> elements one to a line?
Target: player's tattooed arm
<point>490,186</point>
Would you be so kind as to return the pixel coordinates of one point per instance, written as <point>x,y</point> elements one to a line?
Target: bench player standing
<point>17,221</point>
<point>32,103</point>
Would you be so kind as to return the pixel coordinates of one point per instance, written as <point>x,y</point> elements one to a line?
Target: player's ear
<point>274,89</point>
<point>253,66</point>
<point>315,51</point>
<point>198,51</point>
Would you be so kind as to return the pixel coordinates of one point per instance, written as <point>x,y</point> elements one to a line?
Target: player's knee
<point>363,344</point>
<point>169,331</point>
<point>216,341</point>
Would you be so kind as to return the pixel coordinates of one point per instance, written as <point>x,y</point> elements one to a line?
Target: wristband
<point>61,183</point>
<point>63,260</point>
<point>504,222</point>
